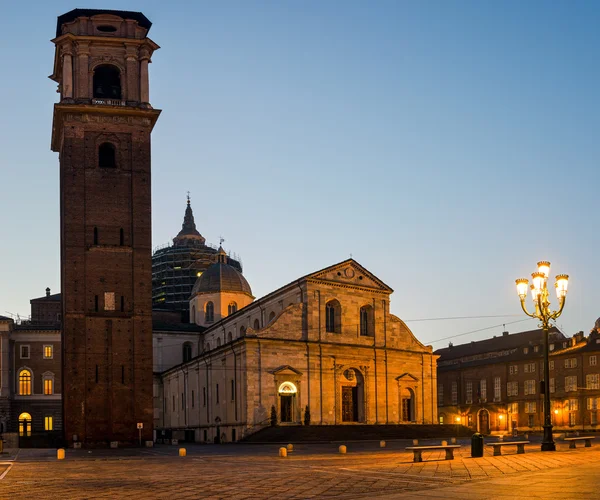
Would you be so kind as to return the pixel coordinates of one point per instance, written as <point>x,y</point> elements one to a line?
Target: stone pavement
<point>312,471</point>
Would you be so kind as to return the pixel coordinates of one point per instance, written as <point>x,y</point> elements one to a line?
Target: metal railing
<point>109,102</point>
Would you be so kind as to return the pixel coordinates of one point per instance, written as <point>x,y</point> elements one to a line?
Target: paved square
<point>310,472</point>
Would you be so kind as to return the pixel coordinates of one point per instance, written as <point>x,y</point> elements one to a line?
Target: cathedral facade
<point>323,350</point>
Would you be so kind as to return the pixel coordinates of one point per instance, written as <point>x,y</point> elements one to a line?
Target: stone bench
<point>417,450</point>
<point>587,439</point>
<point>498,446</point>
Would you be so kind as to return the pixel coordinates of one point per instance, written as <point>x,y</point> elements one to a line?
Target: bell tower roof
<point>188,228</point>
<point>70,16</point>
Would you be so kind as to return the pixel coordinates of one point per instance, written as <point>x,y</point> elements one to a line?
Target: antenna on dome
<point>221,240</point>
<point>188,197</point>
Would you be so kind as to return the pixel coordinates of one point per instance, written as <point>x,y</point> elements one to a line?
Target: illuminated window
<point>591,381</point>
<point>48,423</point>
<point>512,388</point>
<point>571,383</point>
<point>529,387</point>
<point>48,352</point>
<point>24,424</point>
<point>454,393</point>
<point>25,383</point>
<point>48,383</point>
<point>109,301</point>
<point>469,392</point>
<point>497,388</point>
<point>592,360</point>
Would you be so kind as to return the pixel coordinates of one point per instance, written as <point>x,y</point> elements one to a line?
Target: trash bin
<point>477,445</point>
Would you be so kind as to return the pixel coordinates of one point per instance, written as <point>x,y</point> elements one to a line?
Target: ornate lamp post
<point>539,293</point>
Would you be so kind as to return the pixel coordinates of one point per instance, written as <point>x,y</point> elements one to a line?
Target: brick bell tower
<point>101,130</point>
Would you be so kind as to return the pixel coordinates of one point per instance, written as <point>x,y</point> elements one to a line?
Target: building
<point>101,130</point>
<point>30,382</point>
<point>495,385</point>
<point>323,346</point>
<point>176,267</point>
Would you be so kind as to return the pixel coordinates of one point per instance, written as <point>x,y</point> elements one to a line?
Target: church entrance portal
<point>287,398</point>
<point>349,404</point>
<point>286,408</point>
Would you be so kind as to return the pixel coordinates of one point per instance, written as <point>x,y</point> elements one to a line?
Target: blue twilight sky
<point>448,146</point>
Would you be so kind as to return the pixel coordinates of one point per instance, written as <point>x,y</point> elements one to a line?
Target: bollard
<point>182,452</point>
<point>342,449</point>
<point>415,442</point>
<point>60,454</point>
<point>444,443</point>
<point>290,448</point>
<point>283,452</point>
<point>382,444</point>
<point>453,440</point>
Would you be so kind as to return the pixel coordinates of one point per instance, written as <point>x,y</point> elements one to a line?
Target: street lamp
<point>539,294</point>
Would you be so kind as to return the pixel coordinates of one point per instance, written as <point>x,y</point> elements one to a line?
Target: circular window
<point>106,28</point>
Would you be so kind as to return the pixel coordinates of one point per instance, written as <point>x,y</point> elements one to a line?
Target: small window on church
<point>187,352</point>
<point>121,237</point>
<point>231,308</point>
<point>107,157</point>
<point>209,312</point>
<point>95,236</point>
<point>366,321</point>
<point>256,324</point>
<point>333,315</point>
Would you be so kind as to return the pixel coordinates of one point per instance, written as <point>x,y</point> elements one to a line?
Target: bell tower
<point>101,130</point>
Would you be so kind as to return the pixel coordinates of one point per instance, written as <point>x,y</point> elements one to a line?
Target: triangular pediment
<point>352,273</point>
<point>407,377</point>
<point>286,370</point>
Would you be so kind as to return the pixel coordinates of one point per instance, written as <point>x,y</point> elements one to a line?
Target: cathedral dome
<point>221,277</point>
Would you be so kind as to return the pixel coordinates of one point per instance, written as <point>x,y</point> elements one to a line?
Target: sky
<point>448,146</point>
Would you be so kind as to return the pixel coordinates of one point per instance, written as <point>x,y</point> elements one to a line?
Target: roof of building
<point>188,228</point>
<point>4,318</point>
<point>56,297</point>
<point>500,343</point>
<point>221,277</point>
<point>37,327</point>
<point>142,20</point>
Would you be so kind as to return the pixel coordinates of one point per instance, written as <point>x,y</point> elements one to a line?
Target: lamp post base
<point>548,442</point>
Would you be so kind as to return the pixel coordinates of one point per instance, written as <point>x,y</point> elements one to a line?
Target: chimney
<point>48,292</point>
<point>450,344</point>
<point>505,334</point>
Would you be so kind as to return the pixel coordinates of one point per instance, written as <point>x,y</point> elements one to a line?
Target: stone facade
<point>101,130</point>
<point>284,352</point>
<point>494,386</point>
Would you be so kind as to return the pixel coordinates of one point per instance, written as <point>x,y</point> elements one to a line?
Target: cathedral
<point>321,350</point>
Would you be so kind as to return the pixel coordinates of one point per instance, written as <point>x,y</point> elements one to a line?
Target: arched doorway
<point>407,405</point>
<point>353,396</point>
<point>24,425</point>
<point>483,420</point>
<point>287,402</point>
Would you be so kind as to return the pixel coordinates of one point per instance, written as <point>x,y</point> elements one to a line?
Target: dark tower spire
<point>188,229</point>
